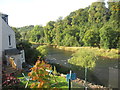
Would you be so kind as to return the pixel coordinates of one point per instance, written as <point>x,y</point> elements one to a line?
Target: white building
<point>8,43</point>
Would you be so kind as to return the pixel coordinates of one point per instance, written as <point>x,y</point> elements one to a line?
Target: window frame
<point>10,41</point>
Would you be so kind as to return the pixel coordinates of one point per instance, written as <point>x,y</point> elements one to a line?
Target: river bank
<point>106,53</point>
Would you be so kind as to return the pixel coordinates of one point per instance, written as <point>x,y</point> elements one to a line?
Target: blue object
<point>50,71</point>
<point>72,77</point>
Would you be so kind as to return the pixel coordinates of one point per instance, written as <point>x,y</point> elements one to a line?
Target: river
<point>103,73</point>
<point>100,74</point>
<point>59,56</point>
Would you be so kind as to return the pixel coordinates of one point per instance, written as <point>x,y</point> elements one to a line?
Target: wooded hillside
<point>95,26</point>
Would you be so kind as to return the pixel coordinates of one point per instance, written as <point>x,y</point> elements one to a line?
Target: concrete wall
<point>114,77</point>
<point>22,56</point>
<point>17,60</point>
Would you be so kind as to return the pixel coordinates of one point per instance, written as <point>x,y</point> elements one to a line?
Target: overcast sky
<point>39,12</point>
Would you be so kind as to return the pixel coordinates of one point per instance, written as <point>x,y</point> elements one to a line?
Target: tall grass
<point>108,53</point>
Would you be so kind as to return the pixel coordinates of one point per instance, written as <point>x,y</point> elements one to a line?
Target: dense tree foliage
<point>17,34</point>
<point>95,26</point>
<point>108,37</point>
<point>26,28</point>
<point>91,38</point>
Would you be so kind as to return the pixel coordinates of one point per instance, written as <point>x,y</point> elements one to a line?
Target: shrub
<point>60,68</point>
<point>40,75</point>
<point>9,81</point>
<point>55,71</point>
<point>42,50</point>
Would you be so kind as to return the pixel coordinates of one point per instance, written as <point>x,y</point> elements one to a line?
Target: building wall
<point>6,32</point>
<point>0,38</point>
<point>8,41</point>
<point>0,53</point>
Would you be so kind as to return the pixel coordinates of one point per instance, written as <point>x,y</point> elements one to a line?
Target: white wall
<point>0,52</point>
<point>0,38</point>
<point>6,31</point>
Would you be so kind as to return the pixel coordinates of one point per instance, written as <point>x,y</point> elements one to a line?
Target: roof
<point>2,14</point>
<point>12,51</point>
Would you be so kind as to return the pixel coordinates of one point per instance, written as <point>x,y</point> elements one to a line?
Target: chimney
<point>4,17</point>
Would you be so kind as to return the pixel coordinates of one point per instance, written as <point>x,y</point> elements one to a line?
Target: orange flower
<point>34,78</point>
<point>40,84</point>
<point>39,73</point>
<point>29,74</point>
<point>32,85</point>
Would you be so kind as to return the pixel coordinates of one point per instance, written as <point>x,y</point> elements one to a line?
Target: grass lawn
<point>62,83</point>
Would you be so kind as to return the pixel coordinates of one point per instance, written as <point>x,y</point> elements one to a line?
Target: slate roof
<point>12,51</point>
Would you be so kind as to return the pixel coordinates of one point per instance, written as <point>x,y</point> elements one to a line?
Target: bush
<point>9,81</point>
<point>31,54</point>
<point>55,71</point>
<point>42,50</point>
<point>61,68</point>
<point>39,75</point>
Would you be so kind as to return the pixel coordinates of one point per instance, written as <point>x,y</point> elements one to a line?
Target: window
<point>9,40</point>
